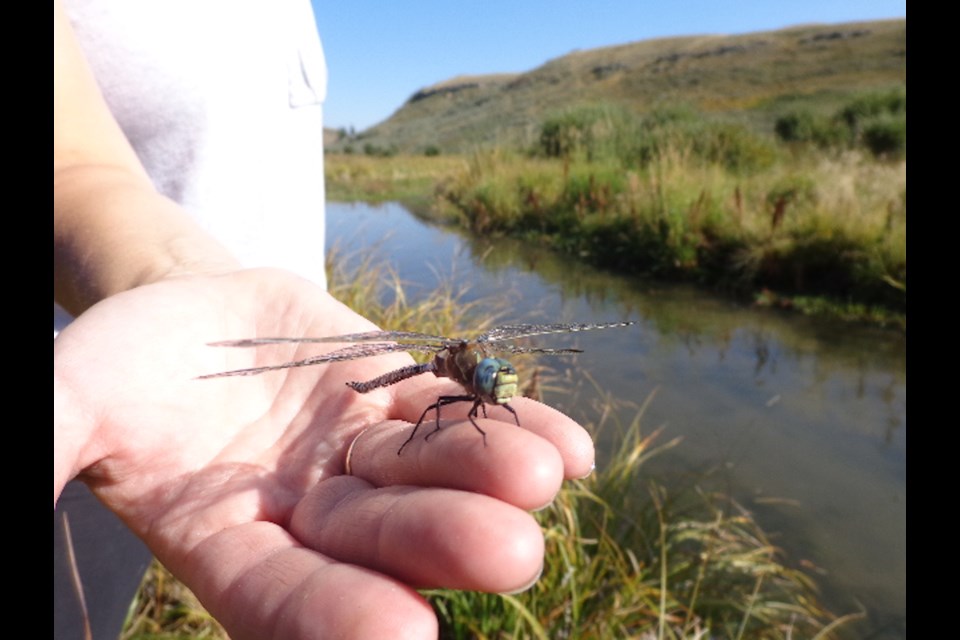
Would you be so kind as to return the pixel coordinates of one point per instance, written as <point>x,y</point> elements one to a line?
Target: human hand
<point>237,484</point>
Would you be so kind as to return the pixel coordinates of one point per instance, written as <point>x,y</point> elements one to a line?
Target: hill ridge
<point>749,76</point>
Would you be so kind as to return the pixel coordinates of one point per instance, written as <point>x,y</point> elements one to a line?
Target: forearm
<point>113,232</point>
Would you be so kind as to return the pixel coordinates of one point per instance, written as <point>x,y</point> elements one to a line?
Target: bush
<point>795,127</point>
<point>371,149</point>
<point>876,121</point>
<point>871,105</point>
<point>734,147</point>
<point>804,127</point>
<point>886,136</point>
<point>611,133</point>
<point>594,132</point>
<point>568,132</point>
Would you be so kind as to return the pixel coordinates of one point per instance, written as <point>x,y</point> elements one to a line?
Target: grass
<point>625,557</point>
<point>677,193</point>
<point>410,179</point>
<point>165,609</point>
<point>818,231</point>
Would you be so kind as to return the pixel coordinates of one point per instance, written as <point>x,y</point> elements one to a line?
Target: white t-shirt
<point>222,103</point>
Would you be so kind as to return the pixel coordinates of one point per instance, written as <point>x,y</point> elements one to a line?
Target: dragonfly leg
<point>473,414</point>
<point>510,409</point>
<point>477,402</point>
<point>441,401</point>
<point>505,406</point>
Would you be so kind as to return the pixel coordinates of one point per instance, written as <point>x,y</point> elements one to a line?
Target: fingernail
<point>546,506</point>
<point>593,467</point>
<point>526,586</point>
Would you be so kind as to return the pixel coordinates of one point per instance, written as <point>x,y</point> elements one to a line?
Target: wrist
<point>73,428</point>
<point>113,232</point>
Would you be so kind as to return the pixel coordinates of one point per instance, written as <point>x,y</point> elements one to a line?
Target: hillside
<point>750,78</point>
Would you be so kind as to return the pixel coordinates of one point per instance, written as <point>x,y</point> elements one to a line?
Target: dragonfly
<point>486,379</point>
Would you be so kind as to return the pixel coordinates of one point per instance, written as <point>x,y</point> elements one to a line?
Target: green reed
<point>814,224</point>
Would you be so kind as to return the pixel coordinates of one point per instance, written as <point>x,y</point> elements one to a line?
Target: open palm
<point>238,486</point>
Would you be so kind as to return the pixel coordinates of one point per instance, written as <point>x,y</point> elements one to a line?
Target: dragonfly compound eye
<point>495,380</point>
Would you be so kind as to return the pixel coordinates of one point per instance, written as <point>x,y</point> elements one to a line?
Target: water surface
<point>802,421</point>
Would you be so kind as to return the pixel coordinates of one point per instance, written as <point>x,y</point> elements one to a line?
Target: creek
<point>801,420</point>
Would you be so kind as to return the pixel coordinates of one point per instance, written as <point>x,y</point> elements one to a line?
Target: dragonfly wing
<point>550,352</point>
<point>352,352</point>
<point>255,370</point>
<point>514,331</point>
<point>369,336</point>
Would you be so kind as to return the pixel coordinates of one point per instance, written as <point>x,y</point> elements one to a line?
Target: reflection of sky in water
<point>774,406</point>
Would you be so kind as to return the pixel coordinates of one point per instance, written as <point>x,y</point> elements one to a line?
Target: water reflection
<point>801,420</point>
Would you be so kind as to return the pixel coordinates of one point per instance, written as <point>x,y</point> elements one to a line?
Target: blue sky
<point>379,52</point>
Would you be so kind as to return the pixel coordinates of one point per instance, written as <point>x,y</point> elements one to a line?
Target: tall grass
<point>813,223</point>
<point>376,179</point>
<point>164,609</point>
<point>624,556</point>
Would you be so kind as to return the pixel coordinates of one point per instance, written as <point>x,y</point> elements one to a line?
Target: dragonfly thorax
<point>493,380</point>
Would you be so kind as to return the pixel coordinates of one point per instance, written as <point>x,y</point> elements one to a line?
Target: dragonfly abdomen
<point>392,377</point>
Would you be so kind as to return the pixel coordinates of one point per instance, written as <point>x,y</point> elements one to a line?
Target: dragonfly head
<point>495,381</point>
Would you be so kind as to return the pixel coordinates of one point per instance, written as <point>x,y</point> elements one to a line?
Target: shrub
<point>734,147</point>
<point>878,121</point>
<point>594,132</point>
<point>875,120</point>
<point>805,127</point>
<point>871,105</point>
<point>886,136</point>
<point>371,149</point>
<point>797,126</point>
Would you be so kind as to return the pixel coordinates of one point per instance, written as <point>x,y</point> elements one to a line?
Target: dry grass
<point>351,177</point>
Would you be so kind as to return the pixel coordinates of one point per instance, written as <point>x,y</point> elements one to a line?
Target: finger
<point>261,583</point>
<point>510,464</point>
<point>423,537</point>
<point>572,441</point>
